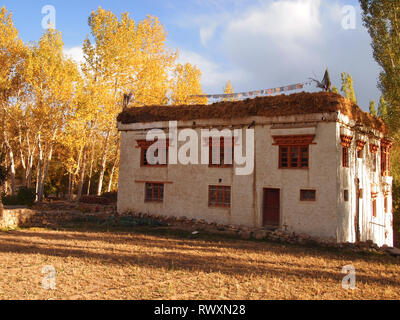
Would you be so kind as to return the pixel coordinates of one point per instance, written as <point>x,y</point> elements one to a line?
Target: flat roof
<point>281,105</point>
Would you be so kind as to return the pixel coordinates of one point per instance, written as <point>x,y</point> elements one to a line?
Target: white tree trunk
<point>12,162</point>
<point>39,169</point>
<point>112,175</point>
<point>103,166</point>
<point>82,175</point>
<point>46,171</point>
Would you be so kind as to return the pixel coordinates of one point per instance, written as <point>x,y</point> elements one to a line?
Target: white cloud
<point>275,41</point>
<point>284,41</point>
<point>213,76</point>
<point>206,33</point>
<point>285,18</point>
<point>74,53</point>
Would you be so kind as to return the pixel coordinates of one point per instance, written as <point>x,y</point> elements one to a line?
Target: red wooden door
<point>271,212</point>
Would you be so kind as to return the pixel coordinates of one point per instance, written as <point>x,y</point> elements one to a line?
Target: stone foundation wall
<point>262,234</point>
<point>13,218</point>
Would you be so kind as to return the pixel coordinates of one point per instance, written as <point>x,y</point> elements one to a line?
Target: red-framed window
<point>384,161</point>
<point>154,192</point>
<point>346,143</point>
<point>360,148</point>
<point>145,162</point>
<point>373,162</point>
<point>216,145</point>
<point>294,150</point>
<point>386,204</point>
<point>374,208</point>
<point>219,196</point>
<point>294,157</point>
<point>385,157</point>
<point>373,148</point>
<point>374,196</point>
<point>345,157</point>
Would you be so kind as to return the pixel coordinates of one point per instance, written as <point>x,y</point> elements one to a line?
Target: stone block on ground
<point>260,235</point>
<point>245,235</point>
<point>393,251</point>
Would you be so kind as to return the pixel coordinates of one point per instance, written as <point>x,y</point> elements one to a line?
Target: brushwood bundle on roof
<point>281,105</point>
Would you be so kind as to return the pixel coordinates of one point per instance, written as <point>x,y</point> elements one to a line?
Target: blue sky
<point>258,44</point>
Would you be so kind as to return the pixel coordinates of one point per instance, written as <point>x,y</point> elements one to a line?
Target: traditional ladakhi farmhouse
<point>321,167</point>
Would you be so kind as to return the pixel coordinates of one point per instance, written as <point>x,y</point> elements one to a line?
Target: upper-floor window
<point>346,143</point>
<point>221,152</point>
<point>373,148</point>
<point>294,151</point>
<point>360,148</point>
<point>158,158</point>
<point>293,157</point>
<point>385,157</point>
<point>345,157</point>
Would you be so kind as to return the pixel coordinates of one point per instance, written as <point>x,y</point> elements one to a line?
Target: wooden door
<point>271,210</point>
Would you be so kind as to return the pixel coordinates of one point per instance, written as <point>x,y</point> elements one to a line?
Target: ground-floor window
<point>374,196</point>
<point>307,195</point>
<point>219,196</point>
<point>154,192</point>
<point>374,162</point>
<point>374,208</point>
<point>346,195</point>
<point>386,205</point>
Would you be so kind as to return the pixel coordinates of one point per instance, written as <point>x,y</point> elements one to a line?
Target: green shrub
<point>25,197</point>
<point>95,200</point>
<point>10,200</point>
<point>112,196</point>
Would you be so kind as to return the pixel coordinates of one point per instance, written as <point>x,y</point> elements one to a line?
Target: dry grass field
<point>152,264</point>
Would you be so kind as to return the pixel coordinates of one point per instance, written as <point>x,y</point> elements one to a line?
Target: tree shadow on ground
<point>187,255</point>
<point>176,238</point>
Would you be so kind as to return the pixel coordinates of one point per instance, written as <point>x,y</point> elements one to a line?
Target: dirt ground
<point>153,264</point>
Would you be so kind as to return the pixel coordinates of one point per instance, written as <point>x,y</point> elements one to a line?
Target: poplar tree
<point>12,63</point>
<point>335,90</point>
<point>382,20</point>
<point>347,87</point>
<point>372,109</point>
<point>185,85</point>
<point>383,109</point>
<point>229,90</point>
<point>58,121</point>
